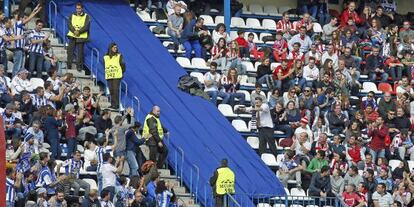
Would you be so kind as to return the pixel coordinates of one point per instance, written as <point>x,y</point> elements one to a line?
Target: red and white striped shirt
<point>281,25</point>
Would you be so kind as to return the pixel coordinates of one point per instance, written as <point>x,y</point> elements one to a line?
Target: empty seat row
<point>270,10</point>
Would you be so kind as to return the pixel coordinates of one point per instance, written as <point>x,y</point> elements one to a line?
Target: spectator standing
<point>13,182</point>
<point>378,131</point>
<point>79,25</point>
<point>133,141</point>
<point>119,130</point>
<point>92,199</point>
<point>264,73</point>
<point>223,182</point>
<point>264,124</point>
<point>114,71</point>
<point>109,172</point>
<point>154,132</point>
<point>58,199</point>
<point>37,38</point>
<point>350,13</point>
<point>351,198</point>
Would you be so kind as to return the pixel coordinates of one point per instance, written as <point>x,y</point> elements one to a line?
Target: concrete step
<point>164,172</point>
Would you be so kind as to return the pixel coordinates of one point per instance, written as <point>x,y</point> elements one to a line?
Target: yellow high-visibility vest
<point>225,181</point>
<point>113,69</point>
<point>145,131</point>
<point>78,21</point>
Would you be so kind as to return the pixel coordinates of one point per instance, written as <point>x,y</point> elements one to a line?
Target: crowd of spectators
<point>345,138</point>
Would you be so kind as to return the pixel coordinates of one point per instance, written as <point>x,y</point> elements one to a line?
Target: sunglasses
<point>307,90</point>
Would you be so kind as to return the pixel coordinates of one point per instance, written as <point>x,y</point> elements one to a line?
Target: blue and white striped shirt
<point>18,29</point>
<point>10,191</point>
<point>45,178</point>
<point>72,167</point>
<point>3,32</point>
<point>38,47</point>
<point>39,101</point>
<point>163,199</point>
<point>100,151</point>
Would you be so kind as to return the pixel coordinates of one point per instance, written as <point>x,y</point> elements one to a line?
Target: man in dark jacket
<point>103,122</point>
<point>375,66</point>
<point>78,24</point>
<point>134,140</point>
<point>154,132</point>
<point>92,199</point>
<point>320,185</point>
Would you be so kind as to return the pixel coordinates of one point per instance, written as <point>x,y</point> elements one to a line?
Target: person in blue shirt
<point>134,140</point>
<point>151,186</point>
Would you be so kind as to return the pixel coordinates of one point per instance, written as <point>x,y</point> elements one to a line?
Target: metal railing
<point>137,109</point>
<point>121,100</point>
<point>95,57</point>
<point>54,5</point>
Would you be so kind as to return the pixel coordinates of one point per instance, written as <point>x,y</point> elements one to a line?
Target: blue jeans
<point>119,153</point>
<point>191,45</point>
<point>47,65</point>
<point>100,182</point>
<point>373,76</point>
<point>174,38</point>
<point>72,144</point>
<point>396,73</point>
<point>311,9</point>
<point>132,162</point>
<point>214,94</point>
<point>287,129</point>
<point>297,81</point>
<point>3,59</point>
<point>36,63</point>
<point>376,154</point>
<point>240,96</point>
<point>358,61</point>
<point>9,204</point>
<point>18,60</point>
<point>237,63</point>
<point>324,18</point>
<point>54,147</point>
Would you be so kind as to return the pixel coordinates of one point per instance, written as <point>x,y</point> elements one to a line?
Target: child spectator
<point>243,44</point>
<point>279,47</point>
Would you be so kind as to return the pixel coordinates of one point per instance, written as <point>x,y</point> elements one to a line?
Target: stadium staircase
<point>200,135</point>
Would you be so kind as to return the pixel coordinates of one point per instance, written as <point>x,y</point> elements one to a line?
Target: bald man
<point>154,133</point>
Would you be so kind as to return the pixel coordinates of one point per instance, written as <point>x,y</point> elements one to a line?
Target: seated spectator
<point>220,32</point>
<point>279,48</point>
<point>320,184</point>
<point>282,75</point>
<point>21,82</point>
<point>5,93</point>
<point>234,60</point>
<point>293,115</point>
<point>353,130</point>
<point>338,121</point>
<point>264,73</point>
<point>204,36</point>
<point>306,22</point>
<point>212,85</point>
<point>351,198</point>
<point>404,87</point>
<point>301,146</point>
<point>243,44</point>
<point>384,178</point>
<point>329,28</point>
<point>231,83</point>
<point>275,98</point>
<point>297,80</point>
<point>381,197</point>
<point>402,195</point>
<point>301,38</point>
<point>58,199</point>
<point>106,198</point>
<point>401,121</point>
<point>313,53</point>
<point>351,62</point>
<point>171,4</point>
<point>350,13</point>
<point>219,54</point>
<point>307,103</point>
<point>73,167</point>
<point>352,176</point>
<point>330,54</point>
<point>354,152</point>
<point>54,79</point>
<point>253,47</point>
<point>317,162</point>
<point>386,104</point>
<point>337,147</point>
<point>189,38</point>
<point>280,122</point>
<point>319,127</point>
<point>408,63</point>
<point>406,30</point>
<point>337,182</point>
<point>311,73</point>
<point>395,68</point>
<point>50,59</point>
<point>370,114</point>
<point>290,169</point>
<point>175,24</point>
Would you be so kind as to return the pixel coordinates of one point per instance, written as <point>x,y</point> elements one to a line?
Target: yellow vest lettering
<point>145,131</point>
<point>78,21</point>
<point>225,181</point>
<point>113,69</point>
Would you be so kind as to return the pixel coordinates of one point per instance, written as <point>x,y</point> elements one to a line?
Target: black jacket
<point>153,130</point>
<point>83,29</point>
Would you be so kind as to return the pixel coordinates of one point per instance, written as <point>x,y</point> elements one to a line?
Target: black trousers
<point>266,137</point>
<point>71,49</point>
<point>162,153</point>
<point>113,85</point>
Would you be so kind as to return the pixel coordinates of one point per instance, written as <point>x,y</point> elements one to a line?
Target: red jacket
<point>346,15</point>
<point>242,42</point>
<point>378,138</point>
<point>355,153</point>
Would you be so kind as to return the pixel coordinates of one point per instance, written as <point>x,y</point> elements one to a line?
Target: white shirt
<point>107,204</point>
<point>298,149</point>
<point>210,77</point>
<point>308,131</point>
<point>401,89</point>
<point>310,74</point>
<point>171,4</point>
<point>18,85</point>
<point>108,174</point>
<point>333,57</point>
<point>216,37</point>
<point>56,83</point>
<point>383,201</point>
<point>265,117</point>
<point>89,155</point>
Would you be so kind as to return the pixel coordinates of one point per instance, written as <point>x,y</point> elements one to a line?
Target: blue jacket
<point>133,142</point>
<point>188,31</point>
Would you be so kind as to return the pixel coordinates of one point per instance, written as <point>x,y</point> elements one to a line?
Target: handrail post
<point>182,165</point>
<point>122,103</point>
<point>191,181</point>
<point>197,181</point>
<point>94,64</point>
<point>54,15</point>
<point>136,99</point>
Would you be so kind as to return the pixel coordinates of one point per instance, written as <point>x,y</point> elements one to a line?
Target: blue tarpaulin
<point>195,125</point>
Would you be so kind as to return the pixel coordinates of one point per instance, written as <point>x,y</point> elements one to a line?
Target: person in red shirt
<point>350,13</point>
<point>351,198</point>
<point>243,44</point>
<point>253,48</point>
<point>70,120</point>
<point>370,114</point>
<point>285,26</point>
<point>296,54</point>
<point>279,47</point>
<point>395,68</point>
<point>282,73</point>
<point>353,151</point>
<point>377,131</point>
<point>305,22</point>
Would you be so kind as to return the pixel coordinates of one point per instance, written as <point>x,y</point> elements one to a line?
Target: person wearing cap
<point>133,141</point>
<point>20,82</point>
<point>304,127</point>
<point>223,183</point>
<point>5,95</point>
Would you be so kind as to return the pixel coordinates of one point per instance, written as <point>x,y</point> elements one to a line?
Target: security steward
<point>222,183</point>
<point>114,71</point>
<point>78,34</point>
<point>154,133</point>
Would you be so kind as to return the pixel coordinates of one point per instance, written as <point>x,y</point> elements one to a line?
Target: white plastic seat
<point>145,16</point>
<point>199,63</point>
<point>394,164</point>
<point>253,23</point>
<point>37,82</point>
<point>256,9</point>
<point>284,9</point>
<point>271,10</point>
<point>240,125</point>
<point>264,34</point>
<point>245,10</point>
<point>253,142</point>
<point>296,205</point>
<point>317,27</point>
<point>208,20</point>
<point>269,24</point>
<point>269,159</point>
<point>45,145</point>
<point>198,75</point>
<point>238,22</point>
<point>279,158</point>
<point>263,205</point>
<point>410,164</point>
<point>167,43</point>
<point>246,94</point>
<point>80,148</point>
<point>249,66</point>
<point>226,110</point>
<point>297,192</point>
<point>92,183</point>
<point>369,86</point>
<point>233,35</point>
<point>219,19</point>
<point>184,62</point>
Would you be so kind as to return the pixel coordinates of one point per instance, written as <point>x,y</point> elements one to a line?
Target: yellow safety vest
<point>225,181</point>
<point>78,21</point>
<point>113,69</point>
<point>145,131</point>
